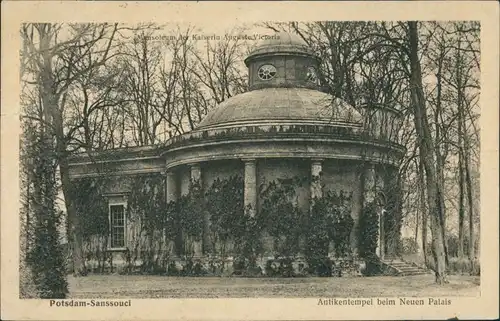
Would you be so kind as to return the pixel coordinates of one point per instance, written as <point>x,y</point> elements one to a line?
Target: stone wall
<point>269,170</point>
<point>336,175</point>
<point>220,169</point>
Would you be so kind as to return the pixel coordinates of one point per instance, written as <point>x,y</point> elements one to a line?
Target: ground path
<point>140,286</point>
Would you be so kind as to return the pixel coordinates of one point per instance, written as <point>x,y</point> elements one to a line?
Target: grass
<point>138,286</point>
<point>456,266</point>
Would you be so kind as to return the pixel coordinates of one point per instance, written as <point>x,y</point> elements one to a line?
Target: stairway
<point>401,268</point>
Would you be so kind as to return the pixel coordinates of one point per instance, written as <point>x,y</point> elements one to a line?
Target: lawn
<point>139,286</point>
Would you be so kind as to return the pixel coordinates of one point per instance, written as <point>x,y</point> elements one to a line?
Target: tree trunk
<point>461,205</point>
<point>76,233</point>
<point>28,209</point>
<point>471,206</point>
<point>53,115</point>
<point>417,224</point>
<point>461,208</point>
<point>440,158</point>
<point>423,207</point>
<point>427,151</point>
<point>465,155</point>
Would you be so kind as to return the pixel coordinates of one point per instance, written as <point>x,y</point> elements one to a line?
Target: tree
<point>427,149</point>
<point>53,66</point>
<point>44,254</point>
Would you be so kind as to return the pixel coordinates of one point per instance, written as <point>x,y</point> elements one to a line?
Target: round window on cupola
<point>311,75</point>
<point>266,72</point>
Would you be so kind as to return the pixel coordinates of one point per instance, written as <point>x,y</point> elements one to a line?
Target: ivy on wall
<point>280,215</point>
<point>330,221</point>
<point>227,221</point>
<point>340,221</point>
<point>368,231</point>
<point>92,207</point>
<point>92,210</point>
<point>160,230</point>
<point>148,241</point>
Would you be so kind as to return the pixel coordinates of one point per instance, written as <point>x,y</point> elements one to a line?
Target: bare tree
<point>54,65</point>
<point>427,150</point>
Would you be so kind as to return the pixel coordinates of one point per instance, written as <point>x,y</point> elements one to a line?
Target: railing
<point>339,131</point>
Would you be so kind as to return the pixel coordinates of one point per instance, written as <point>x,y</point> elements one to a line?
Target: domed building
<point>284,126</point>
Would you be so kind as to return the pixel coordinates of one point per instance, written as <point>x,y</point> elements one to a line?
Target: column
<point>250,191</point>
<point>195,174</point>
<point>369,184</point>
<point>316,191</point>
<point>171,187</point>
<point>200,247</point>
<point>171,195</point>
<point>381,235</point>
<point>381,201</point>
<point>393,207</point>
<point>370,195</point>
<point>316,188</point>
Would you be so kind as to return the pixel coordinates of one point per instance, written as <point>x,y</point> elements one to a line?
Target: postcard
<point>249,160</point>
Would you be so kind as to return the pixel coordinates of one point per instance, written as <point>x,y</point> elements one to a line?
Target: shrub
<point>27,288</point>
<point>47,261</point>
<point>285,268</point>
<point>270,270</point>
<point>246,266</point>
<point>409,246</point>
<point>463,266</point>
<point>453,244</point>
<point>172,269</point>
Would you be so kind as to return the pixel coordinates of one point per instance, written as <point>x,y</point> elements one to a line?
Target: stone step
<point>413,273</point>
<point>398,261</point>
<point>410,271</point>
<point>407,266</point>
<point>404,268</point>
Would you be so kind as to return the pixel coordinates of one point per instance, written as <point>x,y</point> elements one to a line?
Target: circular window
<point>311,75</point>
<point>267,72</point>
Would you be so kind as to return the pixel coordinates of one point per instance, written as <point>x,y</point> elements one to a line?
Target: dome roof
<point>281,42</point>
<point>278,105</point>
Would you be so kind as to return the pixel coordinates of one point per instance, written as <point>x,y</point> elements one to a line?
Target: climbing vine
<point>146,210</point>
<point>159,231</point>
<point>224,203</point>
<point>92,210</point>
<point>339,220</point>
<point>330,221</point>
<point>368,231</point>
<point>280,215</point>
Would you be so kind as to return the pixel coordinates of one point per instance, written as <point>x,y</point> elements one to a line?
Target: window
<point>267,72</point>
<point>312,75</point>
<point>117,224</point>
